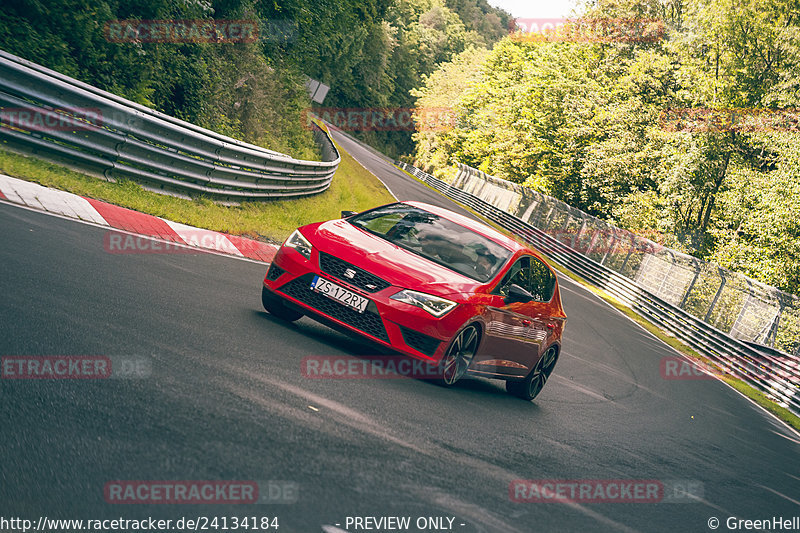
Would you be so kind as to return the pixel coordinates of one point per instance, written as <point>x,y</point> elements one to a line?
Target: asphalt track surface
<point>226,400</point>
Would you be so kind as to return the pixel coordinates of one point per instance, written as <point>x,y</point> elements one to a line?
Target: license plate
<point>340,294</point>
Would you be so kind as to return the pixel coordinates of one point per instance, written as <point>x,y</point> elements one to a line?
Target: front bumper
<point>397,325</point>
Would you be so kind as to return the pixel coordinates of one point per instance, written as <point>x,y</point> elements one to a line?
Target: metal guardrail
<point>774,373</point>
<point>69,121</point>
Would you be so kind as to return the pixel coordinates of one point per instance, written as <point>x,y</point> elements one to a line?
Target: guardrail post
<point>716,296</point>
<point>746,303</point>
<point>538,214</point>
<point>630,251</point>
<point>772,335</point>
<point>660,289</point>
<point>593,240</point>
<point>577,238</point>
<point>550,214</point>
<point>691,285</point>
<point>611,247</point>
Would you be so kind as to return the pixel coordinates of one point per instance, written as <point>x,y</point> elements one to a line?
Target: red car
<point>428,283</point>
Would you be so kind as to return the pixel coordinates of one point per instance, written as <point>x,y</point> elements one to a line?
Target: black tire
<point>530,387</point>
<point>459,356</point>
<point>275,306</point>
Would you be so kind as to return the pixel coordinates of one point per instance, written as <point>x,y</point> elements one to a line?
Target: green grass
<point>353,188</point>
<point>668,338</point>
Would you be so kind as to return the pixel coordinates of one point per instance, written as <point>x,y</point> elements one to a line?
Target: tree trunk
<point>721,174</point>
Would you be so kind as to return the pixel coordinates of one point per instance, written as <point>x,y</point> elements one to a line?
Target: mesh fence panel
<point>788,330</point>
<point>733,303</point>
<point>755,321</point>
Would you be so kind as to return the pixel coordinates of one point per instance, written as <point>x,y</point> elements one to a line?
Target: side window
<point>519,273</point>
<point>543,282</point>
<point>533,276</point>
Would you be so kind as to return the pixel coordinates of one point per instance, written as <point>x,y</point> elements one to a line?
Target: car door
<point>542,287</point>
<point>516,331</point>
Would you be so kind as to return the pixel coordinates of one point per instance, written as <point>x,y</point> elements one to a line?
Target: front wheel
<point>459,355</point>
<point>530,387</point>
<point>275,306</point>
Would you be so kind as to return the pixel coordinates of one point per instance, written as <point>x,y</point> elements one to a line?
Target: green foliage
<point>581,121</point>
<point>758,230</point>
<point>198,82</point>
<point>436,145</point>
<point>372,54</point>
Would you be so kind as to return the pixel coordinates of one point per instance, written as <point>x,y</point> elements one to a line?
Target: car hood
<point>388,261</point>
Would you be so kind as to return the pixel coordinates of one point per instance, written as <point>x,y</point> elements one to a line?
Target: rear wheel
<point>275,306</point>
<point>459,355</point>
<point>530,387</point>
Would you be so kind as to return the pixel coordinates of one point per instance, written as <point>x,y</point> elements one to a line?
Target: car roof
<point>478,227</point>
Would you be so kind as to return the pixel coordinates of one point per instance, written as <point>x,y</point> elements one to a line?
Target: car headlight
<point>299,243</point>
<point>433,304</point>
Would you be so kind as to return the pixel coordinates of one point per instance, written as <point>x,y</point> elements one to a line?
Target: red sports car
<point>428,283</point>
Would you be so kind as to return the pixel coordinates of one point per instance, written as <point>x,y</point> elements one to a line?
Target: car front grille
<point>361,278</point>
<point>420,341</point>
<point>369,321</point>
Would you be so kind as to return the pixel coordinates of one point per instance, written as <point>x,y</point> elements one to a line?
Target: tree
<point>585,122</point>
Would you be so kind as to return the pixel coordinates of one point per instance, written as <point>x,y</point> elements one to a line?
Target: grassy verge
<point>752,393</point>
<point>353,187</point>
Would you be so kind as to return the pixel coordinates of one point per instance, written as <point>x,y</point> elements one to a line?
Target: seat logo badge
<point>349,273</point>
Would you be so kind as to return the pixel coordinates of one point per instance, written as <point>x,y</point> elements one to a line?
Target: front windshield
<point>436,238</point>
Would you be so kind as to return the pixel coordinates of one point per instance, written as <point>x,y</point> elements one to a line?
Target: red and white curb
<point>104,214</point>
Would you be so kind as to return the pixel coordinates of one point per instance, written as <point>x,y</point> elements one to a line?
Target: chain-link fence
<point>745,308</point>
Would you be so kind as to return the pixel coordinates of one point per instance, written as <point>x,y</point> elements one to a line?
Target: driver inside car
<point>485,263</point>
<point>438,248</point>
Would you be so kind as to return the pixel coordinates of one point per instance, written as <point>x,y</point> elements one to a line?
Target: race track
<point>226,400</point>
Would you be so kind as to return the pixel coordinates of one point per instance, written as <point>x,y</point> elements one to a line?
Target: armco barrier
<point>774,373</point>
<point>125,140</point>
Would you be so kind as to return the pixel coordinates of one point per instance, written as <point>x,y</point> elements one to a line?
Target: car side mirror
<point>346,214</point>
<point>517,294</point>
